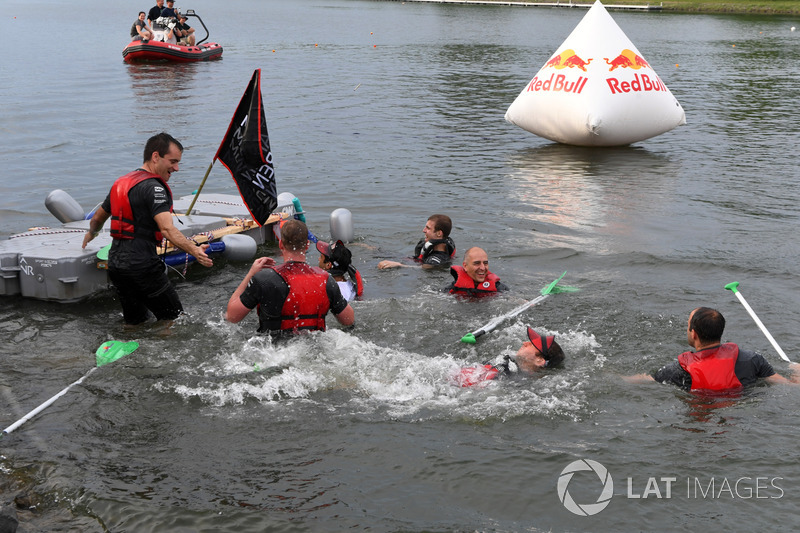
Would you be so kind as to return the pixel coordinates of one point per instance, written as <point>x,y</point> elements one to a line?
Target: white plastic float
<point>596,90</point>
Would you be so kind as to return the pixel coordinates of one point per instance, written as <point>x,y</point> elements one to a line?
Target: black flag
<point>245,153</point>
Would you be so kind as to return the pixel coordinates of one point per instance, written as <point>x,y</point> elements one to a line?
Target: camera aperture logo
<point>585,509</point>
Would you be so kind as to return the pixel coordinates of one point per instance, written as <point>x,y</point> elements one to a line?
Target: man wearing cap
<point>291,297</point>
<point>538,353</point>
<point>183,32</point>
<point>714,366</point>
<point>472,277</point>
<point>169,11</point>
<point>337,261</point>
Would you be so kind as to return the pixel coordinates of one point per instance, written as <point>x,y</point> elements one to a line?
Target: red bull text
<point>557,83</point>
<point>640,83</point>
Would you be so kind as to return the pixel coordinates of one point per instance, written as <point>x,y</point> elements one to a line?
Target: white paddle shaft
<point>762,327</point>
<point>45,405</point>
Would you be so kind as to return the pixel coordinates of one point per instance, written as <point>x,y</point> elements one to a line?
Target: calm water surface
<point>395,111</point>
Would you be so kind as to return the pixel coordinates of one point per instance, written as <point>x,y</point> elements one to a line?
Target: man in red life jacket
<point>473,278</point>
<point>140,208</point>
<point>538,353</point>
<point>714,366</point>
<point>436,248</point>
<point>291,297</point>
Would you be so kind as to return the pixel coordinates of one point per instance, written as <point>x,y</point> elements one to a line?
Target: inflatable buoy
<point>596,90</point>
<point>341,223</point>
<point>63,206</point>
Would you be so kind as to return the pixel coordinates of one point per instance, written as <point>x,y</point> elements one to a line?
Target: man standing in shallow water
<point>291,297</point>
<point>140,208</point>
<point>714,366</point>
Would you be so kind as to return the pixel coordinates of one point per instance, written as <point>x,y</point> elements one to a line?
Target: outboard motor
<point>63,206</point>
<point>341,225</point>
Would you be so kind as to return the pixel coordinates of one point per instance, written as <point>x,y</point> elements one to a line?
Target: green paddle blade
<point>563,288</point>
<point>469,338</point>
<point>102,253</point>
<point>549,288</point>
<point>733,286</point>
<point>110,351</point>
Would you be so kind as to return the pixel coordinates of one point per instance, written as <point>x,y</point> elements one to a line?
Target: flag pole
<point>189,211</point>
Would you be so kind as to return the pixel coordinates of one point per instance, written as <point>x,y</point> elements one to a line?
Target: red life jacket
<point>355,275</point>
<point>473,375</point>
<point>122,226</point>
<point>712,369</point>
<point>465,284</point>
<point>307,303</point>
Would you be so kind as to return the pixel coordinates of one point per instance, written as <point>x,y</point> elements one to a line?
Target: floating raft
<point>48,263</point>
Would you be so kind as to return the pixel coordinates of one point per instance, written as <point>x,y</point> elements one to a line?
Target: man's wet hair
<point>442,223</point>
<point>294,235</point>
<point>160,143</point>
<point>707,323</point>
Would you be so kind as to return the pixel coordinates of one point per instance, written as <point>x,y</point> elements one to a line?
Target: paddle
<point>553,288</point>
<point>109,352</point>
<point>733,287</point>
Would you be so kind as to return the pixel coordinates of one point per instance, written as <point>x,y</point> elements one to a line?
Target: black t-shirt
<point>148,198</point>
<point>750,366</point>
<point>269,290</point>
<point>154,13</point>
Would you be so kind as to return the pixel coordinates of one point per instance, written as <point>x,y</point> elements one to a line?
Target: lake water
<point>395,111</point>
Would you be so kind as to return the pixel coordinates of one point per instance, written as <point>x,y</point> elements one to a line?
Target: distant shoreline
<point>742,7</point>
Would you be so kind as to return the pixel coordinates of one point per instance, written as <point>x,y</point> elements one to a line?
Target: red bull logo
<point>568,59</point>
<point>557,83</point>
<point>639,83</point>
<point>627,59</point>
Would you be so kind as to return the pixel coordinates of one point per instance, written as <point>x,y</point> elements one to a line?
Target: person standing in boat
<point>291,297</point>
<point>472,277</point>
<point>155,13</point>
<point>169,11</point>
<point>140,31</point>
<point>183,32</point>
<point>434,249</point>
<point>140,208</point>
<point>337,260</point>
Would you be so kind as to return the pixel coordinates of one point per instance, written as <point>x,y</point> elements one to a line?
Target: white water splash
<point>351,375</point>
